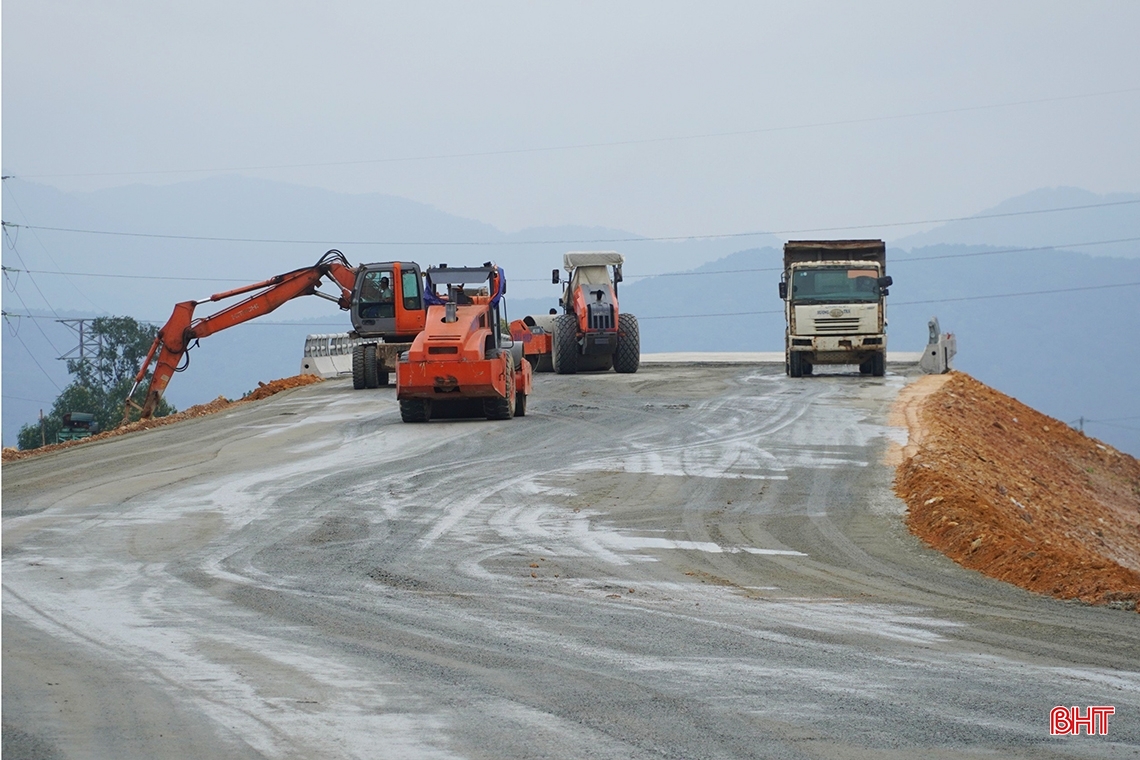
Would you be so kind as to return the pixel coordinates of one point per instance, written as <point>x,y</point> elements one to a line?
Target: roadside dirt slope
<point>263,390</point>
<point>1007,491</point>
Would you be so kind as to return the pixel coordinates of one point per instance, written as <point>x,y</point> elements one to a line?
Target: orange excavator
<point>385,301</point>
<point>464,363</point>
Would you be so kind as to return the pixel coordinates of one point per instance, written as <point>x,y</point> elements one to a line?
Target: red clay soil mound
<point>1002,489</point>
<point>264,390</point>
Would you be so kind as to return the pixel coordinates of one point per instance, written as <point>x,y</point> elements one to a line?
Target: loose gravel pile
<point>221,403</point>
<point>1007,491</point>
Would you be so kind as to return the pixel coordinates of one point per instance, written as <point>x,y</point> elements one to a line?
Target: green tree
<point>100,383</point>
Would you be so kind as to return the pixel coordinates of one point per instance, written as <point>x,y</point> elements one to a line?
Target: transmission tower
<point>89,345</point>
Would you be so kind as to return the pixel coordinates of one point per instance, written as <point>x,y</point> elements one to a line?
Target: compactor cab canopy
<point>589,268</point>
<point>463,284</point>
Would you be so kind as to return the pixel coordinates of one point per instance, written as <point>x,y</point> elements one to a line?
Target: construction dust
<point>263,390</point>
<point>1005,490</point>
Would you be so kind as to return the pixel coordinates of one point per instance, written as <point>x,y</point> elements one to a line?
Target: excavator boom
<point>174,338</point>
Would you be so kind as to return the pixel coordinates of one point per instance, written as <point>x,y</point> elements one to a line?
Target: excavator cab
<point>388,301</point>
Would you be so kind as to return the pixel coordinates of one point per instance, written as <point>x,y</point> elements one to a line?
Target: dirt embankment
<point>263,390</point>
<point>1005,490</point>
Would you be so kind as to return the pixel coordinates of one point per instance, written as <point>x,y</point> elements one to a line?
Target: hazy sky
<point>134,86</point>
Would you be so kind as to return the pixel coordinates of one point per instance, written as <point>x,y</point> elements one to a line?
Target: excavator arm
<point>175,337</point>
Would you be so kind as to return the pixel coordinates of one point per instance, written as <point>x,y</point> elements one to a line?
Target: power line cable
<point>592,145</point>
<point>911,260</point>
<point>483,243</point>
<point>896,261</point>
<point>20,298</point>
<point>51,258</point>
<point>748,313</point>
<point>1023,293</point>
<point>1111,425</point>
<point>33,400</point>
<point>913,303</point>
<point>26,316</point>
<point>11,243</point>
<point>16,335</point>
<point>37,324</point>
<point>131,276</point>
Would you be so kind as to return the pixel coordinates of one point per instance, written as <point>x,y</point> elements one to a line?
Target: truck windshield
<point>834,285</point>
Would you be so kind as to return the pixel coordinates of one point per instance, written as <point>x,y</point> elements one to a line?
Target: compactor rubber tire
<point>370,378</point>
<point>520,404</point>
<point>415,409</point>
<point>564,352</point>
<point>878,365</point>
<point>627,355</point>
<point>496,408</point>
<point>795,364</point>
<point>358,367</point>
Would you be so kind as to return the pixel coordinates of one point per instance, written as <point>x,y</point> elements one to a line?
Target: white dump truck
<point>834,295</point>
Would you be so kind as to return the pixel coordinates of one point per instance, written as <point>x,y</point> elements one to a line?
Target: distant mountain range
<point>1007,224</point>
<point>1068,354</point>
<point>297,224</point>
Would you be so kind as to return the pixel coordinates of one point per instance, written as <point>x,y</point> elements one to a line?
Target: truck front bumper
<point>838,349</point>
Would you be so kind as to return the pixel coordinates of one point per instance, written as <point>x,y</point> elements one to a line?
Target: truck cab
<point>834,294</point>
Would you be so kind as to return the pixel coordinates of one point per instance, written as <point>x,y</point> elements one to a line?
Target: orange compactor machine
<point>464,363</point>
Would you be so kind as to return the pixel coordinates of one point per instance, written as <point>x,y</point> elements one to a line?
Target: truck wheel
<point>878,365</point>
<point>543,363</point>
<point>564,352</point>
<point>415,409</point>
<point>358,367</point>
<point>382,379</point>
<point>795,364</point>
<point>371,380</point>
<point>496,408</point>
<point>627,355</point>
<point>806,366</point>
<point>865,368</point>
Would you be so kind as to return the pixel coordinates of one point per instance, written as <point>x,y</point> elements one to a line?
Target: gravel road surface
<point>689,562</point>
